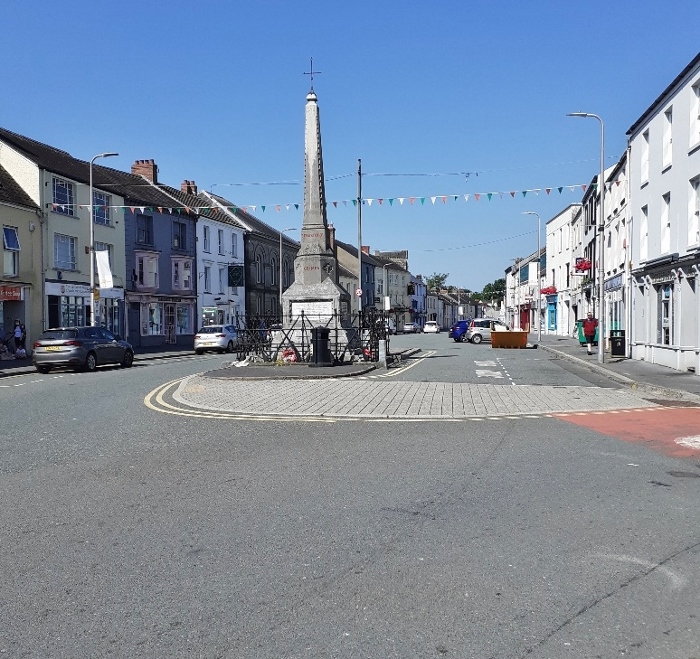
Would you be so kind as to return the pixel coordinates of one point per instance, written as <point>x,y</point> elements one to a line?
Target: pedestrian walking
<point>590,325</point>
<point>17,334</point>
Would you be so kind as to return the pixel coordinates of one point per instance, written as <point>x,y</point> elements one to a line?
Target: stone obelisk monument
<point>315,290</point>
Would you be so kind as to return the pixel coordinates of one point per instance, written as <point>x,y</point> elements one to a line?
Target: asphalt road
<point>131,533</point>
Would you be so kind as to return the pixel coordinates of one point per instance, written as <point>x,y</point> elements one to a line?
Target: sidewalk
<point>652,378</point>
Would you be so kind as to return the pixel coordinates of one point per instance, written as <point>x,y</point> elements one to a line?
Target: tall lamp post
<point>601,235</point>
<point>93,319</point>
<point>283,231</point>
<point>539,275</point>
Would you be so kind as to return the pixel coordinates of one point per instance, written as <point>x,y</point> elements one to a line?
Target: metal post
<point>282,231</point>
<point>600,242</point>
<point>359,236</point>
<point>93,321</point>
<point>539,275</point>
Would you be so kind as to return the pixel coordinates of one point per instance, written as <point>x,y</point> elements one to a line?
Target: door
<point>170,336</point>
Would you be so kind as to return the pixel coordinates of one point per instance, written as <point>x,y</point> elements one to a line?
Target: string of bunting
<point>417,200</point>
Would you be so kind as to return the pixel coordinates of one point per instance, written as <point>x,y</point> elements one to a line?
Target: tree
<point>495,291</point>
<point>436,282</point>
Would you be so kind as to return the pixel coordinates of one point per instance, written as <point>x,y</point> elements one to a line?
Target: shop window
<point>665,327</point>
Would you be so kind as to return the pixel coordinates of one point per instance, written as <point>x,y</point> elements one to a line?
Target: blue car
<point>458,331</point>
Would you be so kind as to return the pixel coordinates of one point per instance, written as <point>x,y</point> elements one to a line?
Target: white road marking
<point>489,374</point>
<point>487,362</point>
<point>689,442</point>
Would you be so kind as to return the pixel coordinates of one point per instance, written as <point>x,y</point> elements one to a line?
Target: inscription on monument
<point>317,311</point>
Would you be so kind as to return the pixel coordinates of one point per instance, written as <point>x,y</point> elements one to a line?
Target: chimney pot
<point>147,168</point>
<point>188,187</point>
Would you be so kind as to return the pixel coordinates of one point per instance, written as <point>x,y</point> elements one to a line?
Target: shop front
<point>12,307</point>
<point>68,305</point>
<point>159,320</point>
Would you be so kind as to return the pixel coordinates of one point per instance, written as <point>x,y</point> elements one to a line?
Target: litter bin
<point>320,346</point>
<point>617,343</point>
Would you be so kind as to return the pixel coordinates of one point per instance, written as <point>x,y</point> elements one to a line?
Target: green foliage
<point>436,282</point>
<point>495,291</point>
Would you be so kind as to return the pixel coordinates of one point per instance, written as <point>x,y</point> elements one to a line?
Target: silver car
<point>81,348</point>
<point>221,338</point>
<point>480,329</point>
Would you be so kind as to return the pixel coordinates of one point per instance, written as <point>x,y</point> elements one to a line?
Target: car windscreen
<point>58,335</point>
<point>211,329</point>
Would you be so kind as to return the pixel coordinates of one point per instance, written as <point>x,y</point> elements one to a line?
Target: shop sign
<point>111,293</point>
<point>79,290</point>
<point>613,284</point>
<point>11,293</point>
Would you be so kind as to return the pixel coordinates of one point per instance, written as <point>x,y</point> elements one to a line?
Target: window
<point>63,196</point>
<point>695,115</point>
<point>664,334</point>
<point>10,241</point>
<point>223,279</point>
<point>667,138</point>
<point>207,239</point>
<point>179,235</point>
<point>182,274</point>
<point>274,271</point>
<point>666,223</point>
<point>147,271</point>
<point>144,229</point>
<point>207,279</point>
<point>64,252</point>
<point>101,203</point>
<point>694,212</point>
<point>221,241</point>
<point>104,247</point>
<point>234,244</point>
<point>645,157</point>
<point>644,235</point>
<point>258,269</point>
<point>183,316</point>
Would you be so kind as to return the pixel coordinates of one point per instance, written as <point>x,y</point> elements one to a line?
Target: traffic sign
<point>358,292</point>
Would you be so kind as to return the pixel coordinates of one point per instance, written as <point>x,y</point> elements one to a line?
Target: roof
<point>12,193</point>
<point>664,94</point>
<point>352,250</point>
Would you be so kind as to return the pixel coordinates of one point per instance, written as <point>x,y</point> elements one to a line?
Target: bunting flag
<point>452,198</point>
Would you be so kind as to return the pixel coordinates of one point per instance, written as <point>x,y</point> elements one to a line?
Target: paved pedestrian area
<point>380,399</point>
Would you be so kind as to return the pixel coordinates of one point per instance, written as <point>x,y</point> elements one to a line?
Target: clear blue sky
<point>214,91</point>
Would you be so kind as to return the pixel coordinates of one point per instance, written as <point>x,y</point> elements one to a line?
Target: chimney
<point>365,249</point>
<point>331,240</point>
<point>147,168</point>
<point>188,187</point>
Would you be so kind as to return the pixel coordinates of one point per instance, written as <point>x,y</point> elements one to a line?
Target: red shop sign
<point>13,293</point>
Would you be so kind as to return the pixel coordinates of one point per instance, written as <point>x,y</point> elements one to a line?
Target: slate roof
<point>366,258</point>
<point>249,221</point>
<point>12,193</point>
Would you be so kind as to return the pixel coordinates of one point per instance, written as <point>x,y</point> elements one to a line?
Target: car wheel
<point>457,339</point>
<point>476,338</point>
<point>229,347</point>
<point>128,359</point>
<point>199,352</point>
<point>90,363</point>
<point>43,369</point>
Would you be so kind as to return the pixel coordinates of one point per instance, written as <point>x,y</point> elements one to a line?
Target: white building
<point>664,166</point>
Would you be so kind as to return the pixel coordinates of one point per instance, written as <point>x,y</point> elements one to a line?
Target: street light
<point>280,282</point>
<point>539,275</point>
<point>601,235</point>
<point>93,319</point>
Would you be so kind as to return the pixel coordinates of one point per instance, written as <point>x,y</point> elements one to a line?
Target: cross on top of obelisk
<point>312,73</point>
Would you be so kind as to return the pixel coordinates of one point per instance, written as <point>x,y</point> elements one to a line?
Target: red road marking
<point>657,428</point>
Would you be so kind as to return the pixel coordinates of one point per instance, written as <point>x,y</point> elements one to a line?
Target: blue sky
<point>438,98</point>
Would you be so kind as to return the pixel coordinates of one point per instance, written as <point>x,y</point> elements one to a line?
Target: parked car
<point>480,329</point>
<point>390,326</point>
<point>81,348</point>
<point>458,330</point>
<point>410,328</point>
<point>221,338</point>
<point>431,327</point>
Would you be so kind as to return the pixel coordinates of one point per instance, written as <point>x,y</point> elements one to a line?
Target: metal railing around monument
<point>352,337</point>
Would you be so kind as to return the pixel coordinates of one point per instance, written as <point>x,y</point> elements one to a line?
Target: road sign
<point>358,292</point>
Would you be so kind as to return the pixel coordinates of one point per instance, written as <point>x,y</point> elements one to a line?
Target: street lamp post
<point>539,275</point>
<point>601,235</point>
<point>93,319</point>
<point>283,231</point>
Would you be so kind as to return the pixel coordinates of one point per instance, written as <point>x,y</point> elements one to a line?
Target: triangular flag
<point>296,206</point>
<point>278,208</point>
<point>524,193</point>
<point>455,197</point>
<point>254,207</point>
<point>548,190</point>
<point>262,208</point>
<point>142,209</point>
<point>391,202</point>
<point>411,200</point>
<point>466,197</point>
<point>401,200</point>
<point>572,188</point>
<point>489,195</point>
<point>354,202</point>
<point>380,201</point>
<point>369,202</point>
<point>444,200</point>
<point>476,196</point>
<point>335,204</point>
<point>422,201</point>
<point>512,194</point>
<point>287,206</point>
<point>160,210</point>
<point>433,200</point>
<point>583,187</point>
